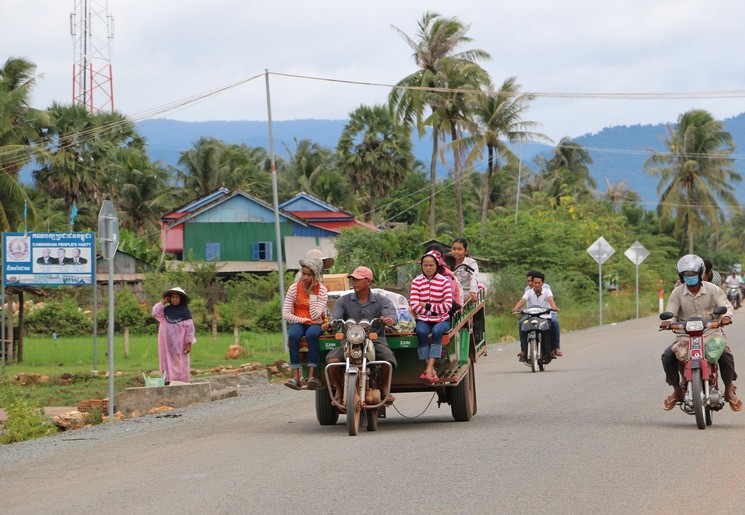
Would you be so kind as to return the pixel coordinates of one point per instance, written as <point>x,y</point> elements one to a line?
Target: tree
<point>374,153</point>
<point>695,174</point>
<point>499,120</point>
<point>20,128</point>
<point>436,41</point>
<point>566,172</point>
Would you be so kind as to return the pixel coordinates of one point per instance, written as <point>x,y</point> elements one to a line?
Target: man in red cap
<point>363,304</point>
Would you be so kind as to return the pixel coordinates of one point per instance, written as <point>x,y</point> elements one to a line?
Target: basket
<point>154,381</point>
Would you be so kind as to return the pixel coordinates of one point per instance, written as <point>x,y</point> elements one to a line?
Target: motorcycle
<point>363,378</point>
<point>536,325</point>
<point>701,377</point>
<point>733,296</point>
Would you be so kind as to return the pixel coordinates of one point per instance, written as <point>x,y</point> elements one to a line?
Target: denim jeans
<point>311,333</point>
<point>423,330</point>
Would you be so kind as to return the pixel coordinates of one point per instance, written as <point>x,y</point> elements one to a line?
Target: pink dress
<point>172,338</point>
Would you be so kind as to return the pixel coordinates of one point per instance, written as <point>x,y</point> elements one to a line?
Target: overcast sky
<point>167,50</point>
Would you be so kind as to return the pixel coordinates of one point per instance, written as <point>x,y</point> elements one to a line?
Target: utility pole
<point>92,30</point>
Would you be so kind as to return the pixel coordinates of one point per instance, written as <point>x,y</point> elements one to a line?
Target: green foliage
<point>127,313</point>
<point>26,421</point>
<point>62,317</point>
<point>269,316</point>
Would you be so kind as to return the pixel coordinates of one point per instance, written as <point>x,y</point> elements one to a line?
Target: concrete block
<point>176,396</point>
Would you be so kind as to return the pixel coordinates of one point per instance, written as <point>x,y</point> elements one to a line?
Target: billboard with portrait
<point>48,258</point>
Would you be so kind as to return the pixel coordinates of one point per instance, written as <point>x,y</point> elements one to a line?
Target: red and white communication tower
<point>92,30</point>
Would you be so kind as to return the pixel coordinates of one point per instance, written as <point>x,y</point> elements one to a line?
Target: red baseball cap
<point>362,272</point>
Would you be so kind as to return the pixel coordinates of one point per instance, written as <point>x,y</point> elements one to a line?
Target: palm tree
<point>619,193</point>
<point>307,162</point>
<point>374,153</point>
<point>566,172</point>
<point>436,41</point>
<point>499,116</point>
<point>695,173</point>
<point>203,165</point>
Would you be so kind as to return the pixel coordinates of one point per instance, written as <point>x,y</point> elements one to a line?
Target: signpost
<point>108,235</point>
<point>601,251</point>
<point>637,253</point>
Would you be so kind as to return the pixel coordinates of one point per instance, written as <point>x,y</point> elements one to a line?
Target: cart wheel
<point>463,405</point>
<point>326,413</point>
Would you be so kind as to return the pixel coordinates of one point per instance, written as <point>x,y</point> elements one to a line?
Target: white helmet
<point>690,263</point>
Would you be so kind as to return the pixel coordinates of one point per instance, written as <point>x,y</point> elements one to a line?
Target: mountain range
<point>618,152</point>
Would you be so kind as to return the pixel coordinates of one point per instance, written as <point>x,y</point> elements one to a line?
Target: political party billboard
<point>48,258</point>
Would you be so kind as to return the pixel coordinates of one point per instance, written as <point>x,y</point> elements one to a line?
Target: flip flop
<point>293,384</point>
<point>735,405</point>
<point>426,379</point>
<point>390,400</point>
<point>672,401</point>
<point>314,383</point>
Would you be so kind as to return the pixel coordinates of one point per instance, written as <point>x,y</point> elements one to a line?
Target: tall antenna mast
<point>92,31</point>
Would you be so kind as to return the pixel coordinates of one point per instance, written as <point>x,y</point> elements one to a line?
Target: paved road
<point>586,436</point>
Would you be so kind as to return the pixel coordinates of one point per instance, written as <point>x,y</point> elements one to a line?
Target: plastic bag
<point>714,348</point>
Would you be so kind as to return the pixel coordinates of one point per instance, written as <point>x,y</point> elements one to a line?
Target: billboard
<point>48,258</point>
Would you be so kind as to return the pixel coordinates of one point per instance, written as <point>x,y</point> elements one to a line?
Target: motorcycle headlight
<point>694,325</point>
<point>356,352</point>
<point>533,311</point>
<point>355,334</point>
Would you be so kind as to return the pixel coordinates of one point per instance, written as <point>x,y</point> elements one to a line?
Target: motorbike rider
<point>734,281</point>
<point>556,342</point>
<point>362,304</point>
<point>696,297</point>
<point>710,274</point>
<point>537,296</point>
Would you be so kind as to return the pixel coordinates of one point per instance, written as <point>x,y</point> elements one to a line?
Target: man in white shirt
<point>556,341</point>
<point>537,296</point>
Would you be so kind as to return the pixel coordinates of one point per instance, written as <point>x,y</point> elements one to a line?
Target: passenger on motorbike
<point>696,297</point>
<point>537,296</point>
<point>556,342</point>
<point>710,274</point>
<point>362,304</point>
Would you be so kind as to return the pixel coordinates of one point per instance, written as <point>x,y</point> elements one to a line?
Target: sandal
<point>389,400</point>
<point>671,402</point>
<point>314,383</point>
<point>426,378</point>
<point>293,383</point>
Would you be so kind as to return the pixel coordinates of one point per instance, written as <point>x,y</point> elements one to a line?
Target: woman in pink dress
<point>175,335</point>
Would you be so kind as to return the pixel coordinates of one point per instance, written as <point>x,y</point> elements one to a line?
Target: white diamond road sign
<point>601,250</point>
<point>636,253</point>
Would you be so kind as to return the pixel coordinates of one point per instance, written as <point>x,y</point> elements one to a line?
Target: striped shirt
<point>436,292</point>
<point>316,304</point>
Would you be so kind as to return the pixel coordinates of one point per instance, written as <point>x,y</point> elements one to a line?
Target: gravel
<point>250,398</point>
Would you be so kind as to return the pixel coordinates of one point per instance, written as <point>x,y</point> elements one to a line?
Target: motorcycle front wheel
<point>354,405</point>
<point>533,350</point>
<point>698,399</point>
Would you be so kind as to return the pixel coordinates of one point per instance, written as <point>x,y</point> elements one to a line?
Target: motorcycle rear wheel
<point>354,405</point>
<point>698,399</point>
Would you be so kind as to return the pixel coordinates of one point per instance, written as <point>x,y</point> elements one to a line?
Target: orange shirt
<point>302,301</point>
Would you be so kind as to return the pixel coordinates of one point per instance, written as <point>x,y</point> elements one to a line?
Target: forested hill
<point>618,153</point>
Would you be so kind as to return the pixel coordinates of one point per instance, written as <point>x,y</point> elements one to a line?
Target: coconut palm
<point>695,174</point>
<point>499,120</point>
<point>436,42</point>
<point>566,172</point>
<point>374,153</point>
<point>619,193</point>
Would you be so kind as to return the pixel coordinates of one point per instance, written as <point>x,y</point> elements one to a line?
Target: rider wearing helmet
<point>696,297</point>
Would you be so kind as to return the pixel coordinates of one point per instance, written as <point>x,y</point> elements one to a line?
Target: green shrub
<point>269,317</point>
<point>25,421</point>
<point>61,317</point>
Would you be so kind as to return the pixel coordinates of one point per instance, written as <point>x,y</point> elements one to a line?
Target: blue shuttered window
<point>212,252</point>
<point>262,251</point>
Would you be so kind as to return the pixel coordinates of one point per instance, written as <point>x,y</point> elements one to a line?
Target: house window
<point>212,252</point>
<point>262,251</point>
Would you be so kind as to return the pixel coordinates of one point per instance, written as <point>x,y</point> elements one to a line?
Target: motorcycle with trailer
<point>698,363</point>
<point>361,400</point>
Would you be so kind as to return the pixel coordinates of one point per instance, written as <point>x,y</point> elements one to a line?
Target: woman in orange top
<point>303,309</point>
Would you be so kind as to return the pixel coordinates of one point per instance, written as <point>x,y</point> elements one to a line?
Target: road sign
<point>601,250</point>
<point>636,253</point>
<point>108,229</point>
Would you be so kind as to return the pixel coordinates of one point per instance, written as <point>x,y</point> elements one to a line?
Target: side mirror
<point>667,315</point>
<point>720,310</point>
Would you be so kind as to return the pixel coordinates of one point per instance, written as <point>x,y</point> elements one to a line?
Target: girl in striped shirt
<point>431,299</point>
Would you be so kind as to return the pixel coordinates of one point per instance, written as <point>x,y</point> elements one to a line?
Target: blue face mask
<point>691,281</point>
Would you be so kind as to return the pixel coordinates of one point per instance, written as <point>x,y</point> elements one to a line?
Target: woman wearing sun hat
<point>175,335</point>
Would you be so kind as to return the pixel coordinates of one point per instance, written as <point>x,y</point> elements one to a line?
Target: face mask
<point>691,281</point>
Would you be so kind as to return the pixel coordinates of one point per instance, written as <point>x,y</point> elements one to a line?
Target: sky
<point>165,51</point>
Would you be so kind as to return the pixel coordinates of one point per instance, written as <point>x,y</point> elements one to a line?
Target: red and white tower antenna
<point>92,30</point>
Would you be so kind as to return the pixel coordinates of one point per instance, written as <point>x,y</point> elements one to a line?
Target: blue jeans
<point>556,330</point>
<point>311,333</point>
<point>433,349</point>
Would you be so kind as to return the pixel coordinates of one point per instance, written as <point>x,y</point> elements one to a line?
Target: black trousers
<point>672,375</point>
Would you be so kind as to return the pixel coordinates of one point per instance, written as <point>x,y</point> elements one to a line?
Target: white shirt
<point>733,282</point>
<point>532,299</point>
